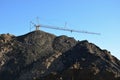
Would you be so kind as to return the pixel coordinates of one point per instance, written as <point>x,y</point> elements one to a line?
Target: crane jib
<point>71,30</point>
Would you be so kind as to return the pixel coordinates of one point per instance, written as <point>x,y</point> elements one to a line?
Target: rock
<point>43,56</point>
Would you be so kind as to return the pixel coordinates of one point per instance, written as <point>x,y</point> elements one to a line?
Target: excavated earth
<point>43,56</point>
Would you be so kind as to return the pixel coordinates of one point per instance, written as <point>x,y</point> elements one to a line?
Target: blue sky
<point>102,16</point>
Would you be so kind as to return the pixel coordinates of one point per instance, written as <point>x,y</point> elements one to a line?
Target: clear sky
<point>102,16</point>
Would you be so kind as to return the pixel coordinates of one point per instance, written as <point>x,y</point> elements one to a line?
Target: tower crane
<point>37,26</point>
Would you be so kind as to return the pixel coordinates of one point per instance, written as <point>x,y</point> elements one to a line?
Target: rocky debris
<point>5,46</point>
<point>4,38</point>
<point>63,43</point>
<point>42,56</point>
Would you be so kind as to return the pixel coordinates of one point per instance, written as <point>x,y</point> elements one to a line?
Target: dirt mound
<point>43,56</point>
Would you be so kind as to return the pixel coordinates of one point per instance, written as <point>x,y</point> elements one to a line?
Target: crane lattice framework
<point>37,26</point>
